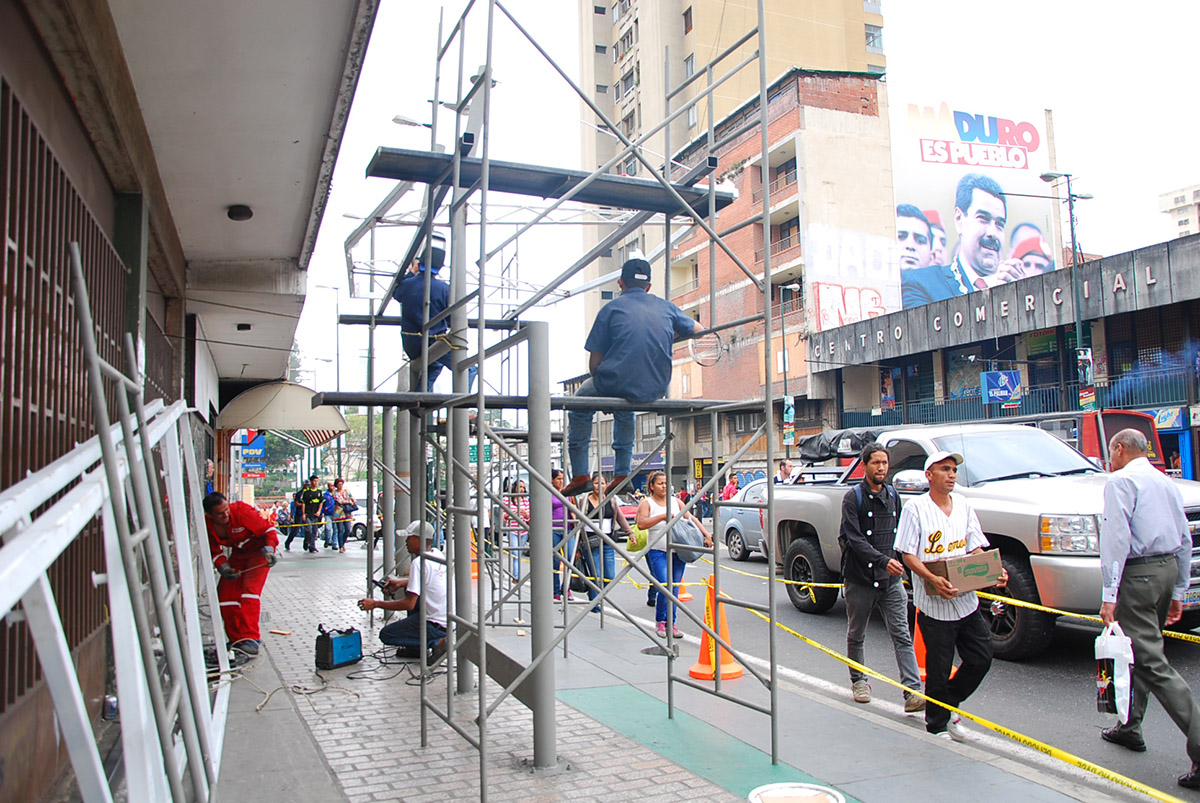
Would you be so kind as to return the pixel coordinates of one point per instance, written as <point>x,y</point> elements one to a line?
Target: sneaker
<point>861,691</point>
<point>957,730</point>
<point>558,597</point>
<point>651,603</point>
<point>580,484</point>
<point>913,704</point>
<point>570,598</point>
<point>247,645</point>
<point>944,735</point>
<point>676,632</point>
<point>662,629</point>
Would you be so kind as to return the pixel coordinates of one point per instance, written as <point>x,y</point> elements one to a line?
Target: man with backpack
<point>872,574</point>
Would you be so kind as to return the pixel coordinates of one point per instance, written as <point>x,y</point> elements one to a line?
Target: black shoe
<point>247,645</point>
<point>1137,745</point>
<point>650,603</point>
<point>1191,778</point>
<point>437,652</point>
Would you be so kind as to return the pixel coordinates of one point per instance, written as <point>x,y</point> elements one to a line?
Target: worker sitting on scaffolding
<point>629,356</point>
<point>410,292</point>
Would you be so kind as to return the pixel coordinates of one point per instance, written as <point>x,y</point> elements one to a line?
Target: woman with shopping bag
<point>652,516</point>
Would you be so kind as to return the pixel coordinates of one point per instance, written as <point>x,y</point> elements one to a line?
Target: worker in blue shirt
<point>410,292</point>
<point>629,355</point>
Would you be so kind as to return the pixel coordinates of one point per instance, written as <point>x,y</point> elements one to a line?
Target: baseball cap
<point>934,217</point>
<point>1031,245</point>
<point>421,529</point>
<point>636,270</point>
<point>938,457</point>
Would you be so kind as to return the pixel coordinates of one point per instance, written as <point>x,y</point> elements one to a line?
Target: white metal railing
<point>33,541</point>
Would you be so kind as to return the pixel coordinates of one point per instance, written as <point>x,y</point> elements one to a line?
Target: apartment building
<point>1183,206</point>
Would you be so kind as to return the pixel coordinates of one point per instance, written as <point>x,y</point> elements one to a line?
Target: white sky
<point>1119,82</point>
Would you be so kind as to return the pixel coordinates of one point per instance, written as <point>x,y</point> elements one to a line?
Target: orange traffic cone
<point>474,562</point>
<point>703,668</point>
<point>684,594</point>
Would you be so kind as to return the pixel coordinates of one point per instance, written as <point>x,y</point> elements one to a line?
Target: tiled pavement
<point>358,740</point>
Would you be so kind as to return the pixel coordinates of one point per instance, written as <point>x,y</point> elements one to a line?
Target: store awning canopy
<point>283,406</point>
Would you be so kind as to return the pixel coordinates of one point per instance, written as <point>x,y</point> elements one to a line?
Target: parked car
<point>358,530</point>
<point>1038,500</point>
<point>742,527</point>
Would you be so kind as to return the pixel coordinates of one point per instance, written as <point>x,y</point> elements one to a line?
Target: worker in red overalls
<point>243,549</point>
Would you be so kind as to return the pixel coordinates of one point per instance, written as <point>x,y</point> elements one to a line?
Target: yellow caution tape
<point>777,579</point>
<point>1020,603</point>
<point>1016,736</point>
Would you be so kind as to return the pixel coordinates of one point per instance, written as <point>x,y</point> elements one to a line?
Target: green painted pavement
<point>691,743</point>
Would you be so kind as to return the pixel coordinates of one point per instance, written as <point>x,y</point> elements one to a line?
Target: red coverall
<point>241,547</point>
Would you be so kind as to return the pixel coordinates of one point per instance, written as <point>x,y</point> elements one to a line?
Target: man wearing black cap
<point>410,292</point>
<point>629,355</point>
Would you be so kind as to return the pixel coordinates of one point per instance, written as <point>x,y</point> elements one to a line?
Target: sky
<point>1119,83</point>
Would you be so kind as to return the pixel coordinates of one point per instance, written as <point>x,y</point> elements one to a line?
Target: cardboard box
<point>968,572</point>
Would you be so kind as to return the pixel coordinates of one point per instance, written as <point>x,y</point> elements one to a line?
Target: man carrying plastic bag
<point>1114,657</point>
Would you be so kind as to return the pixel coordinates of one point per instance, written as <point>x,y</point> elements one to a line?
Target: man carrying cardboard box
<point>934,527</point>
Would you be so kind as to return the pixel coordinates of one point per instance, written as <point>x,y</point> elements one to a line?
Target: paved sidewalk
<point>358,740</point>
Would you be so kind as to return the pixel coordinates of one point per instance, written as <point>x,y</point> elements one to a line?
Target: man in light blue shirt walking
<point>1145,562</point>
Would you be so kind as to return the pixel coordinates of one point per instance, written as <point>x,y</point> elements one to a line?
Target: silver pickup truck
<point>1038,499</point>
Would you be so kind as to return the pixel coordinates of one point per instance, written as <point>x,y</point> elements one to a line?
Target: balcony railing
<point>686,287</point>
<point>779,246</point>
<point>1133,390</point>
<point>781,182</point>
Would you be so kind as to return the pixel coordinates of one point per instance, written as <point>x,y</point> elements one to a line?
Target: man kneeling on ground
<point>424,577</point>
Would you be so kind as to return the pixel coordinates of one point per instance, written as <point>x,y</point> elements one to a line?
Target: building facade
<point>1138,310</point>
<point>1183,205</point>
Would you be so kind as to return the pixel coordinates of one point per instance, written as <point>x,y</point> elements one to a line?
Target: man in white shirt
<point>933,527</point>
<point>1145,564</point>
<point>425,577</point>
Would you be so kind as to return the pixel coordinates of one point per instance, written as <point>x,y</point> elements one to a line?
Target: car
<point>742,527</point>
<point>358,530</point>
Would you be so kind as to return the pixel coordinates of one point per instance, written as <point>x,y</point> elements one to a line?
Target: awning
<point>283,406</point>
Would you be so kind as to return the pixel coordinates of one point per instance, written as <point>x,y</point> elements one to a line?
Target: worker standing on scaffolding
<point>410,292</point>
<point>243,548</point>
<point>629,350</point>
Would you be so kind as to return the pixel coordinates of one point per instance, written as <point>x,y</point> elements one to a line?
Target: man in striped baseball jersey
<point>935,526</point>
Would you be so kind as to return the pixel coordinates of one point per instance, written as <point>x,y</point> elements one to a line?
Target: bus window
<point>1062,428</point>
<point>1117,420</point>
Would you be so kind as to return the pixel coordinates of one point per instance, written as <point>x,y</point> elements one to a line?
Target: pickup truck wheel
<point>1017,632</point>
<point>805,563</point>
<point>737,545</point>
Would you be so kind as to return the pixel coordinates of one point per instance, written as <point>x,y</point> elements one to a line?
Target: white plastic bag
<point>1114,657</point>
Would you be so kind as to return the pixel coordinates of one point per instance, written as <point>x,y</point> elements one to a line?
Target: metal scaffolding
<point>439,425</point>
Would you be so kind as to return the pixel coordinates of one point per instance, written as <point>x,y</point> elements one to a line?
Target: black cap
<point>636,271</point>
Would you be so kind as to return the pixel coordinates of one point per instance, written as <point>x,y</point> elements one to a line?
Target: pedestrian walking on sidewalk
<point>872,574</point>
<point>935,526</point>
<point>1145,562</point>
<point>600,558</point>
<point>652,516</point>
<point>243,548</point>
<point>564,557</point>
<point>311,501</point>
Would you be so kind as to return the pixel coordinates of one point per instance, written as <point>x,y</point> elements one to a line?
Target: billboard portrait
<point>963,175</point>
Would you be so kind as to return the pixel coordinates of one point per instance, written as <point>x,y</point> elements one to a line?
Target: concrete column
<point>459,492</point>
<point>541,558</point>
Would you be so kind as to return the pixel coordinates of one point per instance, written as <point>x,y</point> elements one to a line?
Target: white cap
<point>422,529</point>
<point>938,457</point>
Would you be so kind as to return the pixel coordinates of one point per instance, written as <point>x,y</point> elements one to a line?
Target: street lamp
<point>1051,177</point>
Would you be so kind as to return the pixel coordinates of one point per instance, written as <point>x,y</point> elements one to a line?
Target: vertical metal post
<point>370,500</point>
<point>541,558</point>
<point>389,490</point>
<point>769,400</point>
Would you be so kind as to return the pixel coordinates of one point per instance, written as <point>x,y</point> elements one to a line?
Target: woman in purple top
<point>562,560</point>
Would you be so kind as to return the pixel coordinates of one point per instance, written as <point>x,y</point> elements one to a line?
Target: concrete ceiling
<point>245,103</point>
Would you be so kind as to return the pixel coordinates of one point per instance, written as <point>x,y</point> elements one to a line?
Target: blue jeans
<point>562,564</point>
<point>327,534</point>
<point>658,567</point>
<point>580,436</point>
<point>341,531</point>
<point>406,632</point>
<point>602,564</point>
<point>435,370</point>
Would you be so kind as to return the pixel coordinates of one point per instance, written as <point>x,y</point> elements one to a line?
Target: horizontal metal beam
<point>434,400</point>
<point>622,192</point>
<point>395,320</point>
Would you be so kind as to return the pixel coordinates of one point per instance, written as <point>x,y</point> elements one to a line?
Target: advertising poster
<point>963,173</point>
<point>1001,387</point>
<point>851,276</point>
<point>888,377</point>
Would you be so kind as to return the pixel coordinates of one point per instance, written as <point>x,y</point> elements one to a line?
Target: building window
<point>876,69</point>
<point>692,117</point>
<point>629,124</point>
<point>625,43</point>
<point>874,39</point>
<point>1196,195</point>
<point>649,423</point>
<point>786,173</point>
<point>687,20</point>
<point>685,379</point>
<point>628,81</point>
<point>1180,199</point>
<point>601,50</point>
<point>1184,222</point>
<point>745,423</point>
<point>601,89</point>
<point>789,234</point>
<point>599,10</point>
<point>631,166</point>
<point>689,66</point>
<point>606,295</point>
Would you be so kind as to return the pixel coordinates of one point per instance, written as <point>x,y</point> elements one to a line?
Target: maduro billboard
<point>964,219</point>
